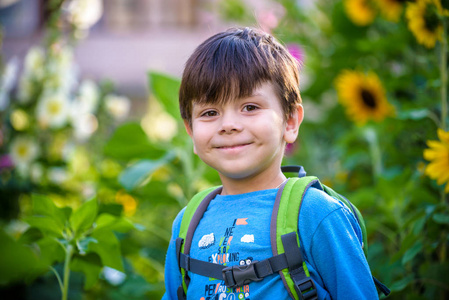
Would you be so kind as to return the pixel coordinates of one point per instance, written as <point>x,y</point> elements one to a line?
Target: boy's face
<point>244,137</point>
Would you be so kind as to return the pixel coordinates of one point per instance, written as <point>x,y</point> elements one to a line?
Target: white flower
<point>160,126</point>
<point>61,74</point>
<point>88,189</point>
<point>84,126</point>
<point>113,276</point>
<point>23,150</point>
<point>16,228</point>
<point>53,110</point>
<point>36,172</point>
<point>68,151</point>
<point>7,81</point>
<point>85,13</point>
<point>34,63</point>
<point>25,89</point>
<point>117,106</point>
<point>87,100</point>
<point>57,175</point>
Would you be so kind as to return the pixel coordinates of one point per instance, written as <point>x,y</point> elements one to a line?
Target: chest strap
<point>237,276</point>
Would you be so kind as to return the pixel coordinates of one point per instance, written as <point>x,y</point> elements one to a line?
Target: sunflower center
<point>368,99</point>
<point>445,4</point>
<point>431,19</point>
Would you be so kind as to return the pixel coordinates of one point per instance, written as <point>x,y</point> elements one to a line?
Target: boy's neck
<point>262,181</point>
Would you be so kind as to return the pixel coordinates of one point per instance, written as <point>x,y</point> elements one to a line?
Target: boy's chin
<point>237,174</point>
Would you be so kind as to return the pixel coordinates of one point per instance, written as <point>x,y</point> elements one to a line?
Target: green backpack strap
<point>354,211</point>
<point>192,216</point>
<point>288,208</point>
<point>284,236</point>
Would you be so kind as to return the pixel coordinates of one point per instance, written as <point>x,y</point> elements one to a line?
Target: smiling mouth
<point>233,146</point>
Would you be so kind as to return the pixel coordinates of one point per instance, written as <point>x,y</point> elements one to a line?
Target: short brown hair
<point>232,64</point>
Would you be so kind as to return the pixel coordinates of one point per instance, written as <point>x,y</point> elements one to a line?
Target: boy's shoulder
<point>322,212</point>
<point>321,202</point>
<point>317,206</point>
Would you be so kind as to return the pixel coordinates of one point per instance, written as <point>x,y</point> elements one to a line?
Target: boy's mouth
<point>233,146</point>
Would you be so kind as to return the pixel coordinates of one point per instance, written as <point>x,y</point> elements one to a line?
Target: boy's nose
<point>230,123</point>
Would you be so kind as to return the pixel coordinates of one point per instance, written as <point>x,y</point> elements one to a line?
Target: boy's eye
<point>249,107</point>
<point>210,113</point>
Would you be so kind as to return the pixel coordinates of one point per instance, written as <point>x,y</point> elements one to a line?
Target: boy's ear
<point>188,128</point>
<point>293,123</point>
<point>189,132</point>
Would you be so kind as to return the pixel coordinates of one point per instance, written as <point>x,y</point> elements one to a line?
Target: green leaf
<point>31,235</point>
<point>17,260</point>
<point>51,250</point>
<point>136,286</point>
<point>47,225</point>
<point>44,206</point>
<point>419,225</point>
<point>89,265</point>
<point>108,248</point>
<point>412,252</point>
<point>83,244</point>
<point>114,209</point>
<point>166,90</point>
<point>110,222</point>
<point>84,217</point>
<point>67,212</point>
<point>134,175</point>
<point>441,218</point>
<point>130,142</point>
<point>401,284</point>
<point>415,114</point>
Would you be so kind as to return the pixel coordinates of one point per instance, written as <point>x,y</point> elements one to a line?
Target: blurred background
<point>95,163</point>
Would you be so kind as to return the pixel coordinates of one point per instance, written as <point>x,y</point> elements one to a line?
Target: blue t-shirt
<point>235,229</point>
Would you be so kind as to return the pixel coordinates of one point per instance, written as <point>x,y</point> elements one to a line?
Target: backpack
<point>287,259</point>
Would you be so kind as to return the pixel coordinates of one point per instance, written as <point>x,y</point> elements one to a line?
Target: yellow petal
<point>443,135</point>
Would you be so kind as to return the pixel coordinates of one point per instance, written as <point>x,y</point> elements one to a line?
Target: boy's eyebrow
<point>255,94</point>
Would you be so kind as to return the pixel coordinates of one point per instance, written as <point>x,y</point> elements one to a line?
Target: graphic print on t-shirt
<point>223,256</point>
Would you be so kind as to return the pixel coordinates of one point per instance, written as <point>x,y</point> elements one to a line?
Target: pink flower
<point>6,162</point>
<point>290,149</point>
<point>297,52</point>
<point>267,20</point>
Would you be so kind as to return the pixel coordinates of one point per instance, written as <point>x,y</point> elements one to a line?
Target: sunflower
<point>391,9</point>
<point>424,22</point>
<point>360,12</point>
<point>438,155</point>
<point>363,96</point>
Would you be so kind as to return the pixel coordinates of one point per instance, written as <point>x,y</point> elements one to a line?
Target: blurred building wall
<point>131,38</point>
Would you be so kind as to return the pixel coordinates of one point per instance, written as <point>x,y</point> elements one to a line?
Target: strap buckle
<point>304,286</point>
<point>236,276</point>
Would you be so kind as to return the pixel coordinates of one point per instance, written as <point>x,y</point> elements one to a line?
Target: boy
<point>240,102</point>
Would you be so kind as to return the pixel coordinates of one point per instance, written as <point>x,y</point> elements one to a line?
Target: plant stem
<point>443,66</point>
<point>376,154</point>
<point>59,279</point>
<point>68,257</point>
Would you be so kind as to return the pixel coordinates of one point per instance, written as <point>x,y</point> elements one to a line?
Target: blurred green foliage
<point>147,169</point>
